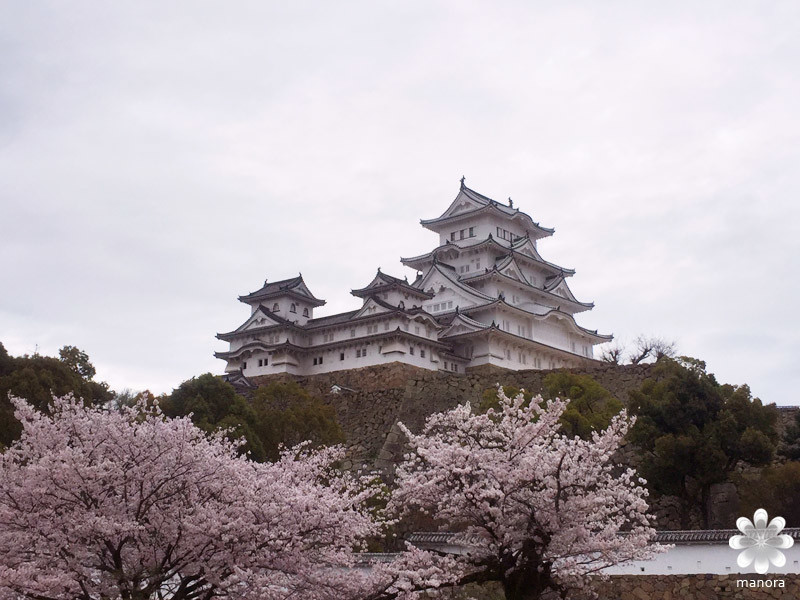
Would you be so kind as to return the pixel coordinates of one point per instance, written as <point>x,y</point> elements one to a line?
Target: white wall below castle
<point>690,559</point>
<point>331,360</point>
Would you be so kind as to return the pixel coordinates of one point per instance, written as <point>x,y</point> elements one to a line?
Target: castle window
<point>293,308</point>
<point>320,360</point>
<point>461,234</point>
<point>315,361</point>
<point>244,365</point>
<point>260,362</point>
<point>453,237</point>
<point>411,350</point>
<point>341,356</point>
<point>276,307</point>
<point>305,312</point>
<point>445,365</point>
<point>422,353</point>
<point>352,333</point>
<point>455,367</point>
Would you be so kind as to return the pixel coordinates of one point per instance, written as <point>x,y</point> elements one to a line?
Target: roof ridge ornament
<point>510,202</point>
<point>463,185</point>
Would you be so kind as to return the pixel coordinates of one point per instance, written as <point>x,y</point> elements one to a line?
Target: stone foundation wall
<point>384,395</point>
<point>694,587</point>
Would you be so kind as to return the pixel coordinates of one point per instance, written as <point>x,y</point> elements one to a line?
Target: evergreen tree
<point>694,432</point>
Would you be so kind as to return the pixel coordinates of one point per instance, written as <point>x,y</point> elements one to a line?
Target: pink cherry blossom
<point>129,505</point>
<point>538,510</point>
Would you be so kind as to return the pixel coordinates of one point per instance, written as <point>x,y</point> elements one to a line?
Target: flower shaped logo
<point>760,542</point>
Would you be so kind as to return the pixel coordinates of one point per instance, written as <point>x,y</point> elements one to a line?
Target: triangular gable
<point>525,246</point>
<point>462,203</point>
<point>371,307</point>
<point>560,288</point>
<point>437,278</point>
<point>301,288</point>
<point>260,318</point>
<point>571,324</point>
<point>462,324</point>
<point>378,281</point>
<point>510,268</point>
<point>422,316</point>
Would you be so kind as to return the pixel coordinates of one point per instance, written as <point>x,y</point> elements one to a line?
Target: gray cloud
<point>157,160</point>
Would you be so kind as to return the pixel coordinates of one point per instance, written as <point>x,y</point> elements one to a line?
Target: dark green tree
<point>591,406</point>
<point>78,361</point>
<point>213,405</point>
<point>790,446</point>
<point>776,489</point>
<point>6,362</point>
<point>694,432</point>
<point>36,379</point>
<point>287,415</point>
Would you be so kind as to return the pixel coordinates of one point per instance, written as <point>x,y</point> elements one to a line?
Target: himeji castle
<point>483,296</point>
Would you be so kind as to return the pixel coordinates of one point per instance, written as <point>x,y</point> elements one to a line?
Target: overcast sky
<point>159,159</point>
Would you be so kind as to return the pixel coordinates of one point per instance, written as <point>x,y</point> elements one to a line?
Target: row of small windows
<point>451,367</point>
<point>505,234</point>
<point>584,349</point>
<point>292,309</point>
<point>370,329</point>
<point>441,306</point>
<point>421,352</point>
<point>463,233</point>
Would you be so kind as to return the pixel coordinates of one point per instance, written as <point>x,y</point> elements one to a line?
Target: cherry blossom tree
<point>131,505</point>
<point>539,511</point>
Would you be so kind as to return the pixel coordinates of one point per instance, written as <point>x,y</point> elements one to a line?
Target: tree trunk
<point>528,585</point>
<point>705,493</point>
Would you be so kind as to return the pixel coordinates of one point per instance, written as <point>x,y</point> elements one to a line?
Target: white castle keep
<point>484,295</point>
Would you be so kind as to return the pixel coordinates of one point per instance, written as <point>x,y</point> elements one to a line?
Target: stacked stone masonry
<point>375,399</point>
<point>696,587</point>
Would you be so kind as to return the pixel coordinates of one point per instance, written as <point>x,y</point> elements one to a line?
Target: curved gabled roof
<point>382,282</point>
<point>460,319</point>
<point>497,272</point>
<point>449,273</point>
<point>295,287</point>
<point>277,321</point>
<point>561,281</point>
<point>553,312</point>
<point>482,204</point>
<point>416,312</point>
<point>415,262</point>
<point>493,329</point>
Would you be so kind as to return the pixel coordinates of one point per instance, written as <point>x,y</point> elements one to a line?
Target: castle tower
<point>484,295</point>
